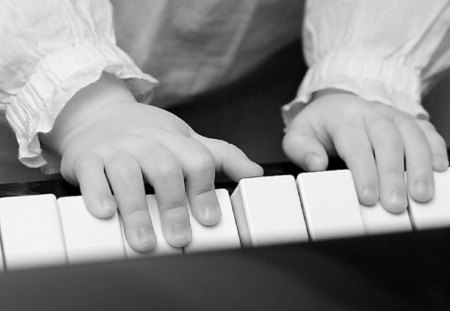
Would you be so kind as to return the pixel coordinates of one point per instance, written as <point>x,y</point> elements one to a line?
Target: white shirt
<point>388,51</point>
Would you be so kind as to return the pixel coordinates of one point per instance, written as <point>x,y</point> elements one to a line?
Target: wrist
<point>328,91</point>
<point>83,107</point>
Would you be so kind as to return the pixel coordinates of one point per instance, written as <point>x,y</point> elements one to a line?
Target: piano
<point>290,255</point>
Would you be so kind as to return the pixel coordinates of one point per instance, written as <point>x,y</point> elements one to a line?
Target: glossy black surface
<point>392,272</point>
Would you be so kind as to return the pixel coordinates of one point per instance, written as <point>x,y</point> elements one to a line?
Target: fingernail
<point>398,199</point>
<point>313,162</point>
<point>421,188</point>
<point>181,232</point>
<point>109,205</point>
<point>370,194</point>
<point>142,237</point>
<point>211,214</point>
<point>440,162</point>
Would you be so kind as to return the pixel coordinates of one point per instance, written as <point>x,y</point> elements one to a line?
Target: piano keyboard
<point>42,230</point>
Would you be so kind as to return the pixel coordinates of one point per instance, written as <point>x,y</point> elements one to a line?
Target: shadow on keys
<point>395,272</point>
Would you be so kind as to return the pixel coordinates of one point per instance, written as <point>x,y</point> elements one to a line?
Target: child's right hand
<point>107,139</point>
<point>374,140</point>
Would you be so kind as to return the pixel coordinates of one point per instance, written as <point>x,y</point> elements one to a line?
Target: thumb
<point>229,159</point>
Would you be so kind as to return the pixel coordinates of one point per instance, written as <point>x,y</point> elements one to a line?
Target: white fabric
<point>384,50</point>
<point>50,49</point>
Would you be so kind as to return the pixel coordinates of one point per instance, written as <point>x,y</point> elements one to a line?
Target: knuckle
<point>227,149</point>
<point>174,211</point>
<point>288,141</point>
<point>176,207</point>
<point>350,135</point>
<point>348,154</point>
<point>129,170</point>
<point>203,189</point>
<point>395,142</point>
<point>118,158</point>
<point>84,161</point>
<point>405,121</point>
<point>203,163</point>
<point>230,148</point>
<point>293,141</point>
<point>221,143</point>
<point>123,166</point>
<point>129,203</point>
<point>224,144</point>
<point>71,167</point>
<point>440,144</point>
<point>439,141</point>
<point>167,168</point>
<point>380,125</point>
<point>385,135</point>
<point>395,173</point>
<point>427,126</point>
<point>135,215</point>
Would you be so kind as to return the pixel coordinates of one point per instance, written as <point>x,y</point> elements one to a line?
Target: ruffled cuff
<point>55,81</point>
<point>386,81</point>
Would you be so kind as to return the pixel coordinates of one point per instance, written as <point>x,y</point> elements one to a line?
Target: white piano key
<point>377,220</point>
<point>268,211</point>
<point>31,232</point>
<point>162,247</point>
<point>330,204</point>
<point>224,235</point>
<point>88,238</point>
<point>436,213</point>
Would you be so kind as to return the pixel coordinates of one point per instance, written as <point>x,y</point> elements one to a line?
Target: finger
<point>199,170</point>
<point>165,174</point>
<point>388,148</point>
<point>125,178</point>
<point>418,160</point>
<point>230,159</point>
<point>353,146</point>
<point>302,147</point>
<point>438,147</point>
<point>90,174</point>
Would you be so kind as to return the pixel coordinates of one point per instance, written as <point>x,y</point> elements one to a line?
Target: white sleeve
<point>49,50</point>
<point>387,51</point>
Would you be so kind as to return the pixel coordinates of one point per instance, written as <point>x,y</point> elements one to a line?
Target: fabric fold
<point>388,81</point>
<point>55,81</point>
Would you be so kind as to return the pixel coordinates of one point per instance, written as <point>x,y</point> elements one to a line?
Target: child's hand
<point>106,140</point>
<point>374,140</point>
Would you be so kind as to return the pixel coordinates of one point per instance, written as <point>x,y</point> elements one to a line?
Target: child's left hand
<point>374,140</point>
